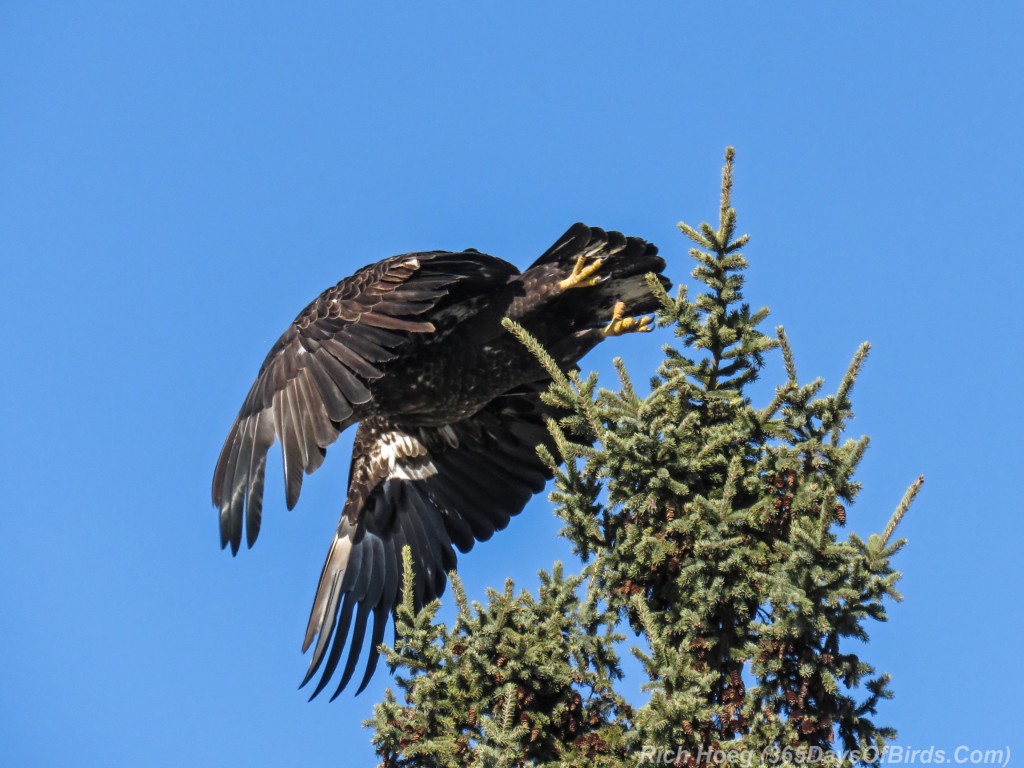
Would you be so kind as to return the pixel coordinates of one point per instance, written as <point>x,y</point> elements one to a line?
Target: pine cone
<point>841,514</point>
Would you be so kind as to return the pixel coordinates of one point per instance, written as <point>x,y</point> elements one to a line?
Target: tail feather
<point>625,262</point>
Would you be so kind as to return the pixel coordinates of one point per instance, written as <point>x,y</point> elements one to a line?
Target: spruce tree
<point>709,533</point>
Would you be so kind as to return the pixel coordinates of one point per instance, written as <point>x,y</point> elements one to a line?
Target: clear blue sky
<point>177,180</point>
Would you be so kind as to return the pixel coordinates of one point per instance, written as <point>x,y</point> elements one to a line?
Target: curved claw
<point>582,275</point>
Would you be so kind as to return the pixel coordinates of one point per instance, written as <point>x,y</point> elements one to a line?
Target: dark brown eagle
<point>449,411</point>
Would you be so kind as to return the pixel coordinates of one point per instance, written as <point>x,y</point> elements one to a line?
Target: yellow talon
<point>581,276</point>
<point>620,325</point>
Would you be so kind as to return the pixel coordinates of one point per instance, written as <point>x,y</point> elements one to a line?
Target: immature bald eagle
<point>448,406</point>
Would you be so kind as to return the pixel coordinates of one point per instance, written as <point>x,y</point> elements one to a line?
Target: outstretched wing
<point>318,377</point>
<point>430,489</point>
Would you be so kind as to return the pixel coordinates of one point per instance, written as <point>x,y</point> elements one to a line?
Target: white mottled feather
<point>405,457</point>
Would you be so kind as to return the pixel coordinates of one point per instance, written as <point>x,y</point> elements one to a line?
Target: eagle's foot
<point>582,275</point>
<point>620,324</point>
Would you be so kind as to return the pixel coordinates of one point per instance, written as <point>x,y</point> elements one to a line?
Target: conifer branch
<point>537,350</point>
<point>697,237</point>
<point>738,243</point>
<point>856,449</point>
<point>569,391</point>
<point>901,510</point>
<point>727,214</point>
<point>628,393</point>
<point>852,372</point>
<point>731,480</point>
<point>787,355</point>
<point>767,413</point>
<point>842,397</point>
<point>711,236</point>
<point>659,292</point>
<point>408,582</point>
<point>725,206</point>
<point>459,591</point>
<point>826,515</point>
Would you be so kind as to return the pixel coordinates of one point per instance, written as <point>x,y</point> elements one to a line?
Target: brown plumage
<point>449,412</point>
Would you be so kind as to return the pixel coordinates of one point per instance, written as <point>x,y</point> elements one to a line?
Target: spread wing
<point>318,378</point>
<point>430,489</point>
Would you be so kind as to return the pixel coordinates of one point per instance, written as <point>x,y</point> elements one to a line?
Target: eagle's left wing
<point>428,488</point>
<point>320,375</point>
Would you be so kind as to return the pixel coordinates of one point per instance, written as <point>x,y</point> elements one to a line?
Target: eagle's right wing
<point>429,488</point>
<point>319,375</point>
